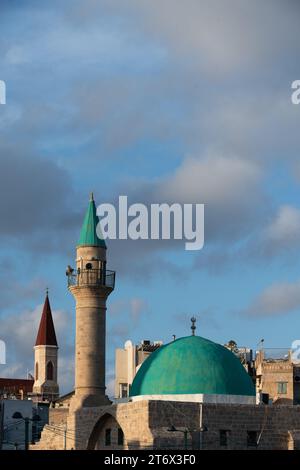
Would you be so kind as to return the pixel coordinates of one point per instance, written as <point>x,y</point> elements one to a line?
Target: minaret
<point>45,357</point>
<point>90,284</point>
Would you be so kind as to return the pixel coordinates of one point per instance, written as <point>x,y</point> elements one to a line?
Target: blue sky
<point>176,102</point>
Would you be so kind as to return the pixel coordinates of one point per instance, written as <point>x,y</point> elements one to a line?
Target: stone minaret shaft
<point>90,285</point>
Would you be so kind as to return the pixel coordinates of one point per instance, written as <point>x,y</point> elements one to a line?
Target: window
<point>282,387</point>
<point>88,266</point>
<point>36,371</point>
<point>49,371</point>
<point>251,438</point>
<point>107,437</point>
<point>123,390</point>
<point>223,437</point>
<point>120,437</point>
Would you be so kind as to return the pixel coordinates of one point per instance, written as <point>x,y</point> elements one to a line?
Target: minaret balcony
<point>92,277</point>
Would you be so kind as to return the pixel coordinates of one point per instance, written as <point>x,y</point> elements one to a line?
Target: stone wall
<point>271,425</point>
<point>52,438</point>
<point>53,434</point>
<point>58,416</point>
<point>175,425</point>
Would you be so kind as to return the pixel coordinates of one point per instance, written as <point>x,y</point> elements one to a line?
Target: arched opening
<point>107,434</point>
<point>49,371</point>
<point>36,371</point>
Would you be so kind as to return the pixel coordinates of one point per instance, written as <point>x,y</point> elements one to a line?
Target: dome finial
<point>193,327</point>
<point>92,196</point>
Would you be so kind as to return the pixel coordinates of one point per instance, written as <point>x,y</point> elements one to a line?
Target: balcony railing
<point>92,277</point>
<point>276,354</point>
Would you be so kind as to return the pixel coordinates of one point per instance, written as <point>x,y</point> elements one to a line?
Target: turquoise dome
<point>192,365</point>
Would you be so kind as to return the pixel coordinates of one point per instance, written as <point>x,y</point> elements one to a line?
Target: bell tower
<point>45,385</point>
<point>90,284</point>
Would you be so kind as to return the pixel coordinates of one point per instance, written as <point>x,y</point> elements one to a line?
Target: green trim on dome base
<point>192,365</point>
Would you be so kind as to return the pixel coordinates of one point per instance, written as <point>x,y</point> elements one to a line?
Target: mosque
<point>189,394</point>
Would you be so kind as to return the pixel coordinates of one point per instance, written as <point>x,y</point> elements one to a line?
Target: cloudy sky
<point>163,101</point>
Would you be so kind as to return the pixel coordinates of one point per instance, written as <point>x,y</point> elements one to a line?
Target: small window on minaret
<point>49,371</point>
<point>36,371</point>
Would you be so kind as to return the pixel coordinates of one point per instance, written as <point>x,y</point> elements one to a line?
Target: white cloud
<point>212,179</point>
<point>223,36</point>
<point>278,237</point>
<point>137,307</point>
<point>134,306</point>
<point>277,299</point>
<point>229,186</point>
<point>285,228</point>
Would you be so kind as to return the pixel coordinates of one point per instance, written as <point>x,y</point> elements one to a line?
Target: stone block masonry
<point>146,425</point>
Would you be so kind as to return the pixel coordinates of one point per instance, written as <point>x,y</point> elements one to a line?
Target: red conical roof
<point>46,335</point>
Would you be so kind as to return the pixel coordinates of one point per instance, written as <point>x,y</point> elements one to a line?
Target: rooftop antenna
<point>193,327</point>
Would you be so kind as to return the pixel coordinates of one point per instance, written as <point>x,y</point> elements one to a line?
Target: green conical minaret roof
<point>88,234</point>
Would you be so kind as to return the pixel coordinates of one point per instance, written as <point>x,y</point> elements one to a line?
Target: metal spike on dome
<point>193,327</point>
